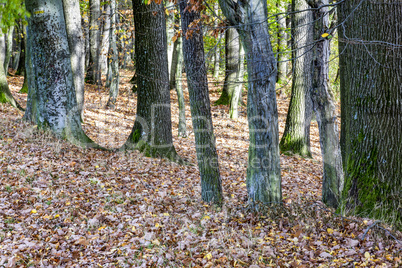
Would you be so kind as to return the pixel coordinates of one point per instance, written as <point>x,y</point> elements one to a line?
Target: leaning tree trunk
<point>263,171</point>
<point>76,44</point>
<point>194,60</point>
<point>5,94</point>
<point>113,68</point>
<point>93,75</point>
<point>52,100</point>
<point>324,108</point>
<point>296,137</point>
<point>152,131</point>
<point>182,128</point>
<point>371,98</point>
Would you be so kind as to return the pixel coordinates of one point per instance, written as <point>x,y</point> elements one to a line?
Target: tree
<point>217,52</point>
<point>113,61</point>
<point>371,99</point>
<point>51,100</point>
<point>105,40</point>
<point>94,72</point>
<point>9,47</point>
<point>296,136</point>
<point>196,71</point>
<point>5,94</point>
<point>76,44</point>
<point>282,42</point>
<point>324,107</point>
<point>152,130</point>
<point>263,171</point>
<point>234,71</point>
<point>178,82</point>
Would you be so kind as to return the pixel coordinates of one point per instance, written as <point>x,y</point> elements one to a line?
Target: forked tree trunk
<point>324,108</point>
<point>194,60</point>
<point>371,98</point>
<point>152,130</point>
<point>51,100</point>
<point>296,137</point>
<point>263,171</point>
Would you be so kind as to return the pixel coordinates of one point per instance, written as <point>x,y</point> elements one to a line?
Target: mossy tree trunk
<point>234,71</point>
<point>152,130</point>
<point>263,171</point>
<point>194,60</point>
<point>371,98</point>
<point>296,136</point>
<point>5,94</point>
<point>324,108</point>
<point>9,47</point>
<point>113,59</point>
<point>51,100</point>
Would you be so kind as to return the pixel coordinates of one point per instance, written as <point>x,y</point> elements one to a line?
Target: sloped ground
<point>62,206</point>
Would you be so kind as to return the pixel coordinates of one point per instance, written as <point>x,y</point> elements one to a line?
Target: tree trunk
<point>114,59</point>
<point>52,100</point>
<point>371,97</point>
<point>182,131</point>
<point>21,64</point>
<point>9,47</point>
<point>217,53</point>
<point>170,24</point>
<point>282,42</point>
<point>235,98</point>
<point>194,60</point>
<point>263,171</point>
<point>296,137</point>
<point>94,73</point>
<point>152,130</point>
<point>5,94</point>
<point>324,108</point>
<point>105,43</point>
<point>15,59</point>
<point>177,48</point>
<point>76,44</point>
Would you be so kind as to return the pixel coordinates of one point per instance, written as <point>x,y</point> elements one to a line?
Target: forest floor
<point>63,206</point>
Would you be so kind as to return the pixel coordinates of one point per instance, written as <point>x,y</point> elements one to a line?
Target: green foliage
<point>10,11</point>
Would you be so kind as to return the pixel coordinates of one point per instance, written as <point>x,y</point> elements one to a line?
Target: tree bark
<point>282,43</point>
<point>5,94</point>
<point>52,100</point>
<point>114,58</point>
<point>263,171</point>
<point>152,130</point>
<point>105,40</point>
<point>21,64</point>
<point>194,60</point>
<point>94,73</point>
<point>9,47</point>
<point>182,129</point>
<point>217,53</point>
<point>296,137</point>
<point>371,98</point>
<point>324,108</point>
<point>170,31</point>
<point>76,44</point>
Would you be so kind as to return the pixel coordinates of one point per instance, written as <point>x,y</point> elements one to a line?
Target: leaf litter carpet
<point>62,206</point>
